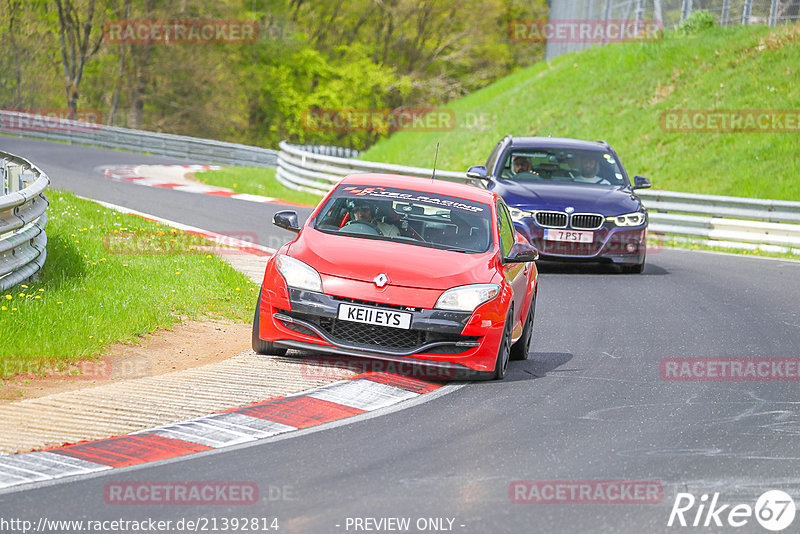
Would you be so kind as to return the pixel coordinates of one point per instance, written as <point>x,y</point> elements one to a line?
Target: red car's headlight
<point>467,298</point>
<point>298,275</point>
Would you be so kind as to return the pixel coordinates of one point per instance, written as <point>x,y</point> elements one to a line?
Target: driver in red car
<point>363,211</point>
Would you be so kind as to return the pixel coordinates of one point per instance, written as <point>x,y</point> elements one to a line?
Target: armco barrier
<point>23,218</point>
<point>724,221</point>
<point>178,146</point>
<point>300,168</point>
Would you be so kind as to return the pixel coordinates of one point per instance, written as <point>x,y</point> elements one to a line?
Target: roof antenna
<point>436,157</point>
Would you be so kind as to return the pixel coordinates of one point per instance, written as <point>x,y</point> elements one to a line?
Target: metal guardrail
<point>178,146</point>
<point>724,221</point>
<point>23,218</point>
<point>299,168</point>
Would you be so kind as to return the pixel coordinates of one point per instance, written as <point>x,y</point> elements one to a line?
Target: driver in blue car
<point>364,212</point>
<point>588,167</point>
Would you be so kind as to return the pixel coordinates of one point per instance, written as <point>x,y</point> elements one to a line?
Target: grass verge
<point>256,181</point>
<point>91,294</point>
<point>660,242</point>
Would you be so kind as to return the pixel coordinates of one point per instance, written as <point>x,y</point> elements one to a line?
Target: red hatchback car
<point>409,270</point>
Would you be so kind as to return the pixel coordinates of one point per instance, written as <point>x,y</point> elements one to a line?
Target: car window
<point>493,156</point>
<point>506,228</point>
<point>404,215</point>
<point>550,164</point>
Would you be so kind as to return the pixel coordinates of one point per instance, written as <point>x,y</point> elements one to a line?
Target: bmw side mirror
<point>477,172</point>
<point>640,182</point>
<point>286,219</point>
<point>522,253</point>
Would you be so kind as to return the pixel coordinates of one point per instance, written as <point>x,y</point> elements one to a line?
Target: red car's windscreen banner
<point>403,195</point>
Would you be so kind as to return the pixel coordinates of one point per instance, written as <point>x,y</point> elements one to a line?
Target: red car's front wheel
<point>259,345</point>
<point>504,351</point>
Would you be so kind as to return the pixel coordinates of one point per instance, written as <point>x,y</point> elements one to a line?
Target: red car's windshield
<point>409,216</point>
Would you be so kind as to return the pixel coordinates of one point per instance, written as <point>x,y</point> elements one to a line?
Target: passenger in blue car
<point>589,165</point>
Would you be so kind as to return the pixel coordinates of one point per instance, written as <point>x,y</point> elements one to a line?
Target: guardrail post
<point>686,9</point>
<point>773,13</point>
<point>3,181</point>
<point>747,10</point>
<point>726,7</point>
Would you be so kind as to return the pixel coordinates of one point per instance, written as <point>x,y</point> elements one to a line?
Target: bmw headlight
<point>629,219</point>
<point>518,214</point>
<point>467,298</point>
<point>298,275</point>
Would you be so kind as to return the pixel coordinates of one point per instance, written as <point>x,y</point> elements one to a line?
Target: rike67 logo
<point>774,510</point>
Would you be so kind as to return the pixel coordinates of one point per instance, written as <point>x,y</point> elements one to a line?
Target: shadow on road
<point>537,365</point>
<point>588,268</point>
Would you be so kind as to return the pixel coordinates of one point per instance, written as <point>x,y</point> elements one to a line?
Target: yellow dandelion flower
<point>23,285</point>
<point>9,297</point>
<point>37,297</point>
<point>3,308</point>
<point>41,289</point>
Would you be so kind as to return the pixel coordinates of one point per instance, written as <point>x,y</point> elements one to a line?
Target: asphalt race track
<point>590,404</point>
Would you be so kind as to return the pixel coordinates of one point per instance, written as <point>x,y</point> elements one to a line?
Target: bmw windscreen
<point>563,165</point>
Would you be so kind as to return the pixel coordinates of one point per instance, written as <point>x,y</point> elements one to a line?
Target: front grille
<point>586,221</point>
<point>372,335</point>
<point>377,337</point>
<point>551,219</point>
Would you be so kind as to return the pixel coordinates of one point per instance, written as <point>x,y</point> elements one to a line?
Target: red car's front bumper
<point>452,344</point>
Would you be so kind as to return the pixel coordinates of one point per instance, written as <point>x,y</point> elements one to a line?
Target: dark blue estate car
<point>572,199</point>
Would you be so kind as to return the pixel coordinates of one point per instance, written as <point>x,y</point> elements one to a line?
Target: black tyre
<point>520,349</point>
<point>636,268</point>
<point>504,352</point>
<point>259,345</point>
